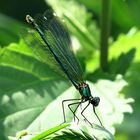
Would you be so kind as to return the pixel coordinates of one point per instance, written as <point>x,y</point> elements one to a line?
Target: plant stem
<point>105,31</point>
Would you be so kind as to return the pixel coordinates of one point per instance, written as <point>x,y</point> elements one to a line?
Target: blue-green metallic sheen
<point>85,91</point>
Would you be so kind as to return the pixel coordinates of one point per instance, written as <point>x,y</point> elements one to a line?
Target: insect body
<point>56,41</point>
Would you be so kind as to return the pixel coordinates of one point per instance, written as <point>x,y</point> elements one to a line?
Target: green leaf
<point>124,43</point>
<point>82,132</point>
<point>27,86</point>
<point>64,132</point>
<point>8,34</point>
<point>122,53</point>
<point>109,110</point>
<point>121,64</point>
<point>31,95</point>
<point>112,104</point>
<point>49,132</point>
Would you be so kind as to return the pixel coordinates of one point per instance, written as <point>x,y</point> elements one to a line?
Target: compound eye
<point>95,101</point>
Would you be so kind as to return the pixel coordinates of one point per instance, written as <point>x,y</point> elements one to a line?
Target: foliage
<point>73,132</point>
<point>122,20</point>
<point>8,34</point>
<point>31,92</point>
<point>34,89</point>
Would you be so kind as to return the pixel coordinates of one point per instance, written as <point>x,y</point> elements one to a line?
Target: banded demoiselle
<point>52,37</point>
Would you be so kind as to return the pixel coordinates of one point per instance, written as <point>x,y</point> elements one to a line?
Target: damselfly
<point>55,40</point>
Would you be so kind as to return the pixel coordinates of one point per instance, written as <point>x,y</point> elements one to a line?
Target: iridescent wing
<point>56,39</point>
<point>34,41</point>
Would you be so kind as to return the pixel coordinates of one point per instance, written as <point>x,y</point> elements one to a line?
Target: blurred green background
<point>124,45</point>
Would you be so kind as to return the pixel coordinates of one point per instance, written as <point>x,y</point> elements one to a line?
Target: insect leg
<point>83,114</point>
<point>97,116</point>
<point>64,116</point>
<point>75,109</point>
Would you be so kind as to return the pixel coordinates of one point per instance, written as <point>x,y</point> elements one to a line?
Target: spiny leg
<point>80,103</point>
<point>75,109</point>
<point>64,109</point>
<point>83,114</point>
<point>97,116</point>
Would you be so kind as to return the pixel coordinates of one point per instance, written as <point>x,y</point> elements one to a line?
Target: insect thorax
<point>84,90</point>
